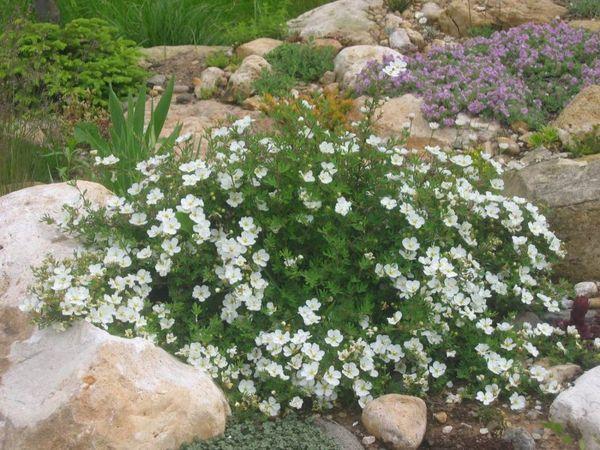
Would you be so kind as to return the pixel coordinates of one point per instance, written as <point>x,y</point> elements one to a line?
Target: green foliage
<point>222,60</point>
<point>131,139</point>
<point>43,62</point>
<point>585,9</point>
<point>399,5</point>
<point>11,10</point>
<point>482,30</point>
<point>174,22</point>
<point>588,144</point>
<point>33,150</point>
<point>304,62</point>
<point>275,83</point>
<point>289,433</point>
<point>547,137</point>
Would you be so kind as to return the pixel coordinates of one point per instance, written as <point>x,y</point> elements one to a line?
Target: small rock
<point>509,146</point>
<point>447,429</point>
<point>350,62</point>
<point>157,80</point>
<point>184,99</point>
<point>398,420</point>
<point>368,440</point>
<point>416,38</point>
<point>327,78</point>
<point>586,289</point>
<point>483,431</point>
<point>241,82</point>
<point>252,103</point>
<point>527,317</point>
<point>211,81</point>
<point>399,40</point>
<point>259,47</point>
<point>181,89</point>
<point>431,11</point>
<point>536,436</point>
<point>519,438</point>
<point>340,435</point>
<point>564,373</point>
<point>328,42</point>
<point>441,417</point>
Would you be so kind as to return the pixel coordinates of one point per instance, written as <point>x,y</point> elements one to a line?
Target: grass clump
<point>303,62</point>
<point>176,22</point>
<point>222,60</point>
<point>291,64</point>
<point>546,136</point>
<point>585,9</point>
<point>45,63</point>
<point>290,433</point>
<point>398,5</point>
<point>588,144</point>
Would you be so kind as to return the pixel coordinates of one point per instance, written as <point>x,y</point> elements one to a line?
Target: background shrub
<point>46,63</point>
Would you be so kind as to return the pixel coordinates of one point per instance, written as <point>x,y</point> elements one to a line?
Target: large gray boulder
<point>83,388</point>
<point>570,189</point>
<point>460,15</point>
<point>580,116</point>
<point>348,21</point>
<point>579,408</point>
<point>25,240</point>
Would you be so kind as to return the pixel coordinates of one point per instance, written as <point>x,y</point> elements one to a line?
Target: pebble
<point>447,429</point>
<point>483,431</point>
<point>184,99</point>
<point>519,438</point>
<point>157,80</point>
<point>536,436</point>
<point>441,417</point>
<point>368,440</point>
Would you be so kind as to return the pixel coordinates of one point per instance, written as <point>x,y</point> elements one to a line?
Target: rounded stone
<point>398,420</point>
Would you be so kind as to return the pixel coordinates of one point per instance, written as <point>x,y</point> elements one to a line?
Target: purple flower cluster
<point>525,73</point>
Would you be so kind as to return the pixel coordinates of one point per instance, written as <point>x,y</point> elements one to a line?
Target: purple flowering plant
<point>525,73</point>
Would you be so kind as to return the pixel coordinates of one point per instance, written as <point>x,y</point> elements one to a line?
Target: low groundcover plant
<point>526,73</point>
<point>308,267</point>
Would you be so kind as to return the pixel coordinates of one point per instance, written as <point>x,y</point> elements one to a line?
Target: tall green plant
<point>130,140</point>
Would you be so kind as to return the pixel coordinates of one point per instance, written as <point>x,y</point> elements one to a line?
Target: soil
<point>467,419</point>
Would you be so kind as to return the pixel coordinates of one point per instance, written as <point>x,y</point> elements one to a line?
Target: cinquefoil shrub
<point>306,267</point>
<point>46,63</point>
<point>526,73</point>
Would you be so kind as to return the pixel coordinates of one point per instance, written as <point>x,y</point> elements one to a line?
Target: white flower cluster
<point>196,227</point>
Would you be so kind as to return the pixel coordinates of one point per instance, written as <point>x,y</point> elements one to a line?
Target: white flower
<point>517,402</point>
<point>326,147</point>
<point>269,407</point>
<point>395,318</point>
<point>325,177</point>
<point>437,369</point>
<point>183,138</point>
<point>201,293</point>
<point>343,206</point>
<point>308,176</point>
<point>334,338</point>
<point>296,402</point>
<point>350,370</point>
<point>138,219</point>
<point>395,68</point>
<point>332,376</point>
<point>388,203</point>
